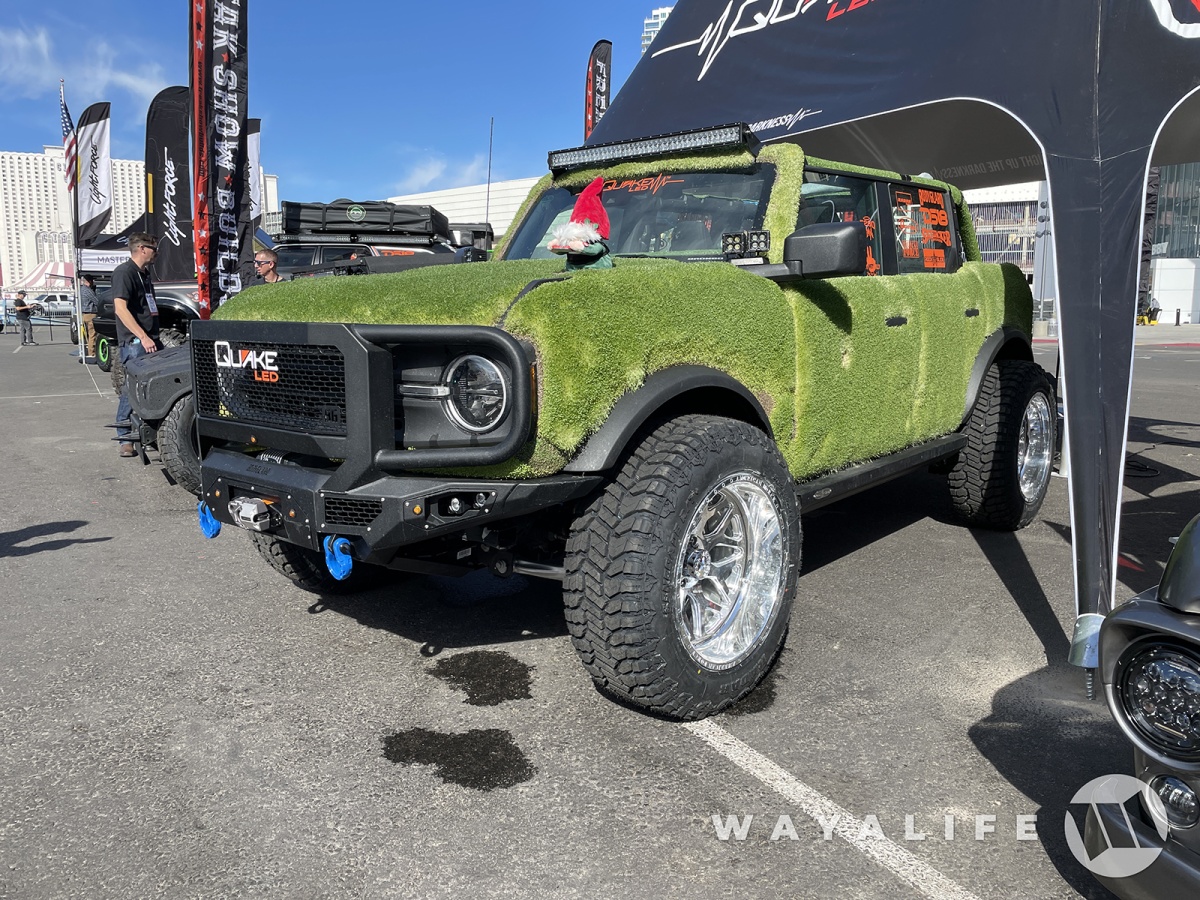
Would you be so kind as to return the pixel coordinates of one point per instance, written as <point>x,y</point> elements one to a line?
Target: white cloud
<point>30,66</point>
<point>436,174</point>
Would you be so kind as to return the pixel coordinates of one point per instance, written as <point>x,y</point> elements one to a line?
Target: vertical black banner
<point>169,184</point>
<point>599,84</point>
<point>224,248</point>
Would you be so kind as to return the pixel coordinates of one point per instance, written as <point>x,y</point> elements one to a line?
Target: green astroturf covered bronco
<point>774,333</point>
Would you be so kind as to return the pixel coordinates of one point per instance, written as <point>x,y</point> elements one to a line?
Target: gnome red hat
<point>589,208</point>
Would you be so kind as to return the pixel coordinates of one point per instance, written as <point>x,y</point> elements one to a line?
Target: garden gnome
<point>583,240</point>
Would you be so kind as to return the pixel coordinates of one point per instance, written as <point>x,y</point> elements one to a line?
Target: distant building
<point>35,208</point>
<point>653,24</point>
<point>477,203</point>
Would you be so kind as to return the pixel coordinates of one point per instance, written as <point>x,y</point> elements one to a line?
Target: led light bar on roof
<point>723,137</point>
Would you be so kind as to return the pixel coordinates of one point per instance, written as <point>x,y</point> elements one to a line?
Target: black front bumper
<point>379,517</point>
<point>1175,873</point>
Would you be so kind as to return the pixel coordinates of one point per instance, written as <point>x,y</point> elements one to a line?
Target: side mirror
<point>826,249</point>
<point>470,254</point>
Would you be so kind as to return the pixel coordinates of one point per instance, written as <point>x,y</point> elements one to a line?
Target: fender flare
<point>632,410</point>
<point>1007,342</point>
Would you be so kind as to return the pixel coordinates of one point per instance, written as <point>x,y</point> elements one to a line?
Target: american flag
<point>68,139</point>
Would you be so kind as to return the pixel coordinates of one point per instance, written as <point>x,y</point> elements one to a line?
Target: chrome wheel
<point>1035,447</point>
<point>730,572</point>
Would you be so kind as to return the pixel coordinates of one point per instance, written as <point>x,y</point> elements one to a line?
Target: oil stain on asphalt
<point>482,759</point>
<point>488,677</point>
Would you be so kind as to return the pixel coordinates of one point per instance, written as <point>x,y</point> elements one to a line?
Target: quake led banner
<point>169,184</point>
<point>223,237</point>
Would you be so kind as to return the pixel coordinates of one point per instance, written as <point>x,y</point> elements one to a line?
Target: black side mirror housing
<point>826,249</point>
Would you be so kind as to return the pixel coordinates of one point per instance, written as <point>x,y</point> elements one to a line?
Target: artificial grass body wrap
<point>837,382</point>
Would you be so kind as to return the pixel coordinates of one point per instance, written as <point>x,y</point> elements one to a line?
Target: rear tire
<point>1001,476</point>
<point>178,446</point>
<point>171,337</point>
<point>680,576</point>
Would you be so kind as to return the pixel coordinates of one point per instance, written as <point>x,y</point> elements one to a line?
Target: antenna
<point>487,198</point>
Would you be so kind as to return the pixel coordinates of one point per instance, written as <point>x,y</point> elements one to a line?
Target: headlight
<point>478,396</point>
<point>1180,804</point>
<point>1158,685</point>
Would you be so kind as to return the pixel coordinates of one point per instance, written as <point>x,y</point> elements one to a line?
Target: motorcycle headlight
<point>478,397</point>
<point>1158,685</point>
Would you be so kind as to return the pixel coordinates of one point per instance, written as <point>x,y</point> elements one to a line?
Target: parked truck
<point>776,332</point>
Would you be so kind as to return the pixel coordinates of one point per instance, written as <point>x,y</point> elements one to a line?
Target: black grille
<point>310,395</point>
<point>351,511</point>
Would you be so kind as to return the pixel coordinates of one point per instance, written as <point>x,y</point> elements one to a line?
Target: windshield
<point>676,214</point>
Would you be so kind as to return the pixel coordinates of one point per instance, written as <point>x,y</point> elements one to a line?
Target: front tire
<point>178,445</point>
<point>105,351</point>
<point>1001,476</point>
<point>306,568</point>
<point>117,373</point>
<point>680,576</point>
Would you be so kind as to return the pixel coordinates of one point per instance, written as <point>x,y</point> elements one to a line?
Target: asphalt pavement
<point>177,721</point>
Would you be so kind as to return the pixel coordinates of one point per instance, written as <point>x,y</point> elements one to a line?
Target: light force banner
<point>599,86</point>
<point>224,248</point>
<point>169,184</point>
<point>94,190</point>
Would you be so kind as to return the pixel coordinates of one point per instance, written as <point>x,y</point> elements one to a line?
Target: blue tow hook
<point>337,557</point>
<point>209,526</point>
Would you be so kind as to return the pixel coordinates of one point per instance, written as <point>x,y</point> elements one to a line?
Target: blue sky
<point>363,99</point>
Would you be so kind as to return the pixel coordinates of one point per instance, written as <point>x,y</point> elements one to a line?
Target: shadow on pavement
<point>10,539</point>
<point>439,613</point>
<point>1075,741</point>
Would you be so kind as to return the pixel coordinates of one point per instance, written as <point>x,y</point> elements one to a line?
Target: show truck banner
<point>169,184</point>
<point>94,190</point>
<point>860,81</point>
<point>599,86</point>
<point>224,246</point>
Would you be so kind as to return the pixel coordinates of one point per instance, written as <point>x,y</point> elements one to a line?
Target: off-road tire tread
<point>984,489</point>
<point>306,568</point>
<point>117,372</point>
<point>608,560</point>
<point>176,447</point>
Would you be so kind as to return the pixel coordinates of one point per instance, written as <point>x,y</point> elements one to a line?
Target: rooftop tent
<point>1086,95</point>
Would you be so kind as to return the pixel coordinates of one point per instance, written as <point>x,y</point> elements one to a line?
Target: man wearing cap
<point>23,311</point>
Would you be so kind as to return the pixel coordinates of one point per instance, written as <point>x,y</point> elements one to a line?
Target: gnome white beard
<point>573,236</point>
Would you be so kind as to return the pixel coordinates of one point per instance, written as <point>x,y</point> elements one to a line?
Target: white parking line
<point>48,396</point>
<point>821,809</point>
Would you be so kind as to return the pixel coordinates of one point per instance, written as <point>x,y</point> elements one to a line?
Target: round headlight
<point>478,396</point>
<point>1158,685</point>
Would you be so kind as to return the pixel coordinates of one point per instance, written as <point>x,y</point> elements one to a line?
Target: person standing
<point>23,311</point>
<point>89,305</point>
<point>266,263</point>
<point>137,319</point>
